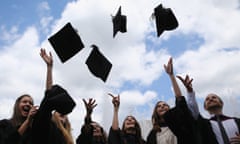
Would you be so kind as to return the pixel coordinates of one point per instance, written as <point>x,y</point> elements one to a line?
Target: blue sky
<point>206,45</point>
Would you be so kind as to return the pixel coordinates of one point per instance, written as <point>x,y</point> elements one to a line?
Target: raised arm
<point>86,134</point>
<point>169,70</point>
<point>89,106</point>
<point>191,99</point>
<point>116,104</point>
<point>49,61</point>
<point>27,123</point>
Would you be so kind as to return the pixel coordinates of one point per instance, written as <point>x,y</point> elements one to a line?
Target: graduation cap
<point>119,22</point>
<point>98,64</point>
<point>165,19</point>
<point>66,42</point>
<point>60,100</point>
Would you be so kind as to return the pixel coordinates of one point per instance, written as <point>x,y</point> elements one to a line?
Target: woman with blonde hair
<point>62,123</point>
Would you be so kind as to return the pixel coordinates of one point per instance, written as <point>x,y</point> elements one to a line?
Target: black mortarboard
<point>119,22</point>
<point>165,19</point>
<point>60,100</point>
<point>56,98</point>
<point>66,42</point>
<point>98,64</point>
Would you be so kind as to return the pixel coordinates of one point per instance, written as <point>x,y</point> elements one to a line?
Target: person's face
<point>129,122</point>
<point>25,104</point>
<point>96,129</point>
<point>212,101</point>
<point>162,107</point>
<point>61,117</point>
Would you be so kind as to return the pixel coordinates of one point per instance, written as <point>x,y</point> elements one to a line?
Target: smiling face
<point>129,122</point>
<point>131,126</point>
<point>97,131</point>
<point>213,101</point>
<point>161,108</point>
<point>24,105</point>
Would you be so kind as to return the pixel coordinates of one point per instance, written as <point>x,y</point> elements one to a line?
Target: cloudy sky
<point>205,45</point>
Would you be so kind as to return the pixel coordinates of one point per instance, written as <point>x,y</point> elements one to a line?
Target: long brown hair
<point>17,119</point>
<point>137,127</point>
<point>65,128</point>
<point>103,138</point>
<point>156,119</point>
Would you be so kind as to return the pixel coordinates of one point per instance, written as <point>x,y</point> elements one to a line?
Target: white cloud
<point>213,68</point>
<point>45,21</point>
<point>9,35</point>
<point>43,6</point>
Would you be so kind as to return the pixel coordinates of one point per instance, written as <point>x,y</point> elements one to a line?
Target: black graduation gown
<point>44,130</point>
<point>187,129</point>
<point>205,130</point>
<point>117,137</point>
<point>86,135</point>
<point>182,124</point>
<point>9,134</point>
<point>151,138</point>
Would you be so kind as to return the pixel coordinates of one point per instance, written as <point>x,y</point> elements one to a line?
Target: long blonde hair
<point>65,128</point>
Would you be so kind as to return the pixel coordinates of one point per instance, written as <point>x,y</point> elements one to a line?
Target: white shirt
<point>192,104</point>
<point>166,136</point>
<point>230,127</point>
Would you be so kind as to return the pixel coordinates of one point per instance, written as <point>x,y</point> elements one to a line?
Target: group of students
<point>182,124</point>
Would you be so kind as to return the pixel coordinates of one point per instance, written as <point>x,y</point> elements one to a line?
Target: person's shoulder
<point>237,119</point>
<point>4,122</point>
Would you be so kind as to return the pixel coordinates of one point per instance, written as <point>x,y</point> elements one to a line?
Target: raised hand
<point>47,58</point>
<point>187,82</point>
<point>169,70</point>
<point>169,67</point>
<point>116,104</point>
<point>90,105</point>
<point>115,100</point>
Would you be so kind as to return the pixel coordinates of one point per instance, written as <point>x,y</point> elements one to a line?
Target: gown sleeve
<point>181,122</point>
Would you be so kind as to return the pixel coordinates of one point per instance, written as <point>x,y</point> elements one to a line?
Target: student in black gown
<point>91,132</point>
<point>214,105</point>
<point>185,121</point>
<point>200,130</point>
<point>209,129</point>
<point>160,133</point>
<point>179,119</point>
<point>17,129</point>
<point>130,133</point>
<point>51,124</point>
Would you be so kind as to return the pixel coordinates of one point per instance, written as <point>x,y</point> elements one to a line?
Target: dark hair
<point>156,119</point>
<point>17,119</point>
<point>103,138</point>
<point>137,128</point>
